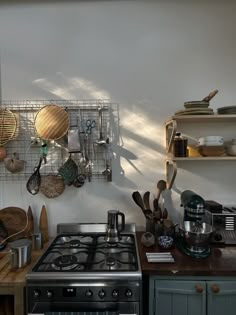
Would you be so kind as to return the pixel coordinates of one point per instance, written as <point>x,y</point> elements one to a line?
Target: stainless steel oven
<point>81,274</point>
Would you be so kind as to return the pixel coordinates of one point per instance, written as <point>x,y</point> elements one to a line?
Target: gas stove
<point>81,273</point>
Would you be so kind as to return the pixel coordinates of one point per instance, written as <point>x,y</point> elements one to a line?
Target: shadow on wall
<point>62,87</point>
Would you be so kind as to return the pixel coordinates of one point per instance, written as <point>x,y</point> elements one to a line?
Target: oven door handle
<point>41,307</point>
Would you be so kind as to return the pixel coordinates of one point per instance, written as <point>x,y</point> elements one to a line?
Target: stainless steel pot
<point>20,253</point>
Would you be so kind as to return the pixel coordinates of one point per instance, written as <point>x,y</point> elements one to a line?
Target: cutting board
<point>14,220</point>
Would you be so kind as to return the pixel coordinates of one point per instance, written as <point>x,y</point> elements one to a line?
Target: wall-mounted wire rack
<point>29,147</point>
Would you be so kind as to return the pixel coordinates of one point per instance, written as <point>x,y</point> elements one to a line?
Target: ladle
<point>101,140</point>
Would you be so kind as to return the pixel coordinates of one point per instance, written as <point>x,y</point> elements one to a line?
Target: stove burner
<point>65,262</point>
<point>74,243</point>
<point>110,261</point>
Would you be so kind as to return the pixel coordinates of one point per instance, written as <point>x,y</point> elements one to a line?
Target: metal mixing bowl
<point>196,235</point>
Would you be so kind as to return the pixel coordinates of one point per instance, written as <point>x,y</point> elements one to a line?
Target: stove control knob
<point>36,293</point>
<point>49,293</point>
<point>88,293</point>
<point>128,293</point>
<point>115,293</point>
<point>101,294</point>
<point>218,237</point>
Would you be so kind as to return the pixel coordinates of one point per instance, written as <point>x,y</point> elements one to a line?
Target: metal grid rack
<point>29,147</point>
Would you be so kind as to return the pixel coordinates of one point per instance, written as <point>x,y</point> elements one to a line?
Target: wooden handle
<point>199,288</point>
<point>215,289</point>
<point>43,224</point>
<point>30,227</point>
<point>210,96</point>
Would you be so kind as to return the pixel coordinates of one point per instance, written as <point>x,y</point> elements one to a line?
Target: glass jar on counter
<point>180,145</point>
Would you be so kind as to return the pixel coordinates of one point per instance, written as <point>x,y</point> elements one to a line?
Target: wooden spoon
<point>157,213</point>
<point>210,96</point>
<point>165,214</point>
<point>146,201</point>
<point>138,199</point>
<point>161,185</point>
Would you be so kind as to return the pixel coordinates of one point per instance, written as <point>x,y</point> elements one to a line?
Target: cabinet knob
<point>199,288</point>
<point>215,288</point>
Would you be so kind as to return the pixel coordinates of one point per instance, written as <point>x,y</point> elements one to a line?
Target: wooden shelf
<point>202,158</point>
<point>171,126</point>
<point>201,118</point>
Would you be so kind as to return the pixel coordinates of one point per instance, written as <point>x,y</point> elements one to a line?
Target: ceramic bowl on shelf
<point>208,150</point>
<point>196,104</point>
<point>211,141</point>
<point>231,149</point>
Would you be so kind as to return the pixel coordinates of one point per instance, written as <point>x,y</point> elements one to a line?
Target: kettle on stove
<point>113,227</point>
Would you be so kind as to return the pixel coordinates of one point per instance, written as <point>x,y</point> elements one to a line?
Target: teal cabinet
<point>191,296</point>
<point>178,298</point>
<point>221,297</point>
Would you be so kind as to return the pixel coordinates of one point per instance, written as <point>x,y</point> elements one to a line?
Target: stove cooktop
<point>88,253</point>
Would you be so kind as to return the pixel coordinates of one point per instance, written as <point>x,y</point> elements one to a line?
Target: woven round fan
<point>51,122</point>
<point>52,186</point>
<point>8,125</point>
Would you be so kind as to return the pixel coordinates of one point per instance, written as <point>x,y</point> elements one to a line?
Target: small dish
<point>231,149</point>
<point>165,241</point>
<point>196,104</point>
<point>211,141</point>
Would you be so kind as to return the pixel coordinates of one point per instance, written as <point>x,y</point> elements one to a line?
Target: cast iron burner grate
<point>65,262</point>
<point>88,253</point>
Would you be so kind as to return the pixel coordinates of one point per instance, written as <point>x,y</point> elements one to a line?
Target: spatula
<point>146,200</point>
<point>139,201</point>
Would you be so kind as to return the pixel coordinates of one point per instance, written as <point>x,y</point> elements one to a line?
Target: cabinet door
<point>179,298</point>
<point>221,297</point>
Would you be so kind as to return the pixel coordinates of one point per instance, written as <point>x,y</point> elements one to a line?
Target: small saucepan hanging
<point>51,122</point>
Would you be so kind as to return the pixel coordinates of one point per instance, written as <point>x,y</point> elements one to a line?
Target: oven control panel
<point>85,293</point>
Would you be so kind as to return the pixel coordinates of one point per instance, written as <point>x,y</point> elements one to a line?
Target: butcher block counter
<point>12,284</point>
<point>221,262</point>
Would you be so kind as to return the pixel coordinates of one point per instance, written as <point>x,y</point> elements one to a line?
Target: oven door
<point>84,308</point>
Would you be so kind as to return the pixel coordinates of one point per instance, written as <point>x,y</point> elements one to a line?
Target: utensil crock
<point>20,253</point>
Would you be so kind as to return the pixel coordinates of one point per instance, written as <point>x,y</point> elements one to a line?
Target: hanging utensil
<point>51,122</point>
<point>34,181</point>
<point>68,171</point>
<point>8,127</point>
<point>101,140</point>
<point>14,165</point>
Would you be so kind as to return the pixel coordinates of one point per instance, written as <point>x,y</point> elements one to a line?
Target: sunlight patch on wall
<point>142,125</point>
<point>69,88</point>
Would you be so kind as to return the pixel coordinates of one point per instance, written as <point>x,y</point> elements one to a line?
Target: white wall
<point>150,57</point>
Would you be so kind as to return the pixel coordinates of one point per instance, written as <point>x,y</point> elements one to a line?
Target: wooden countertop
<point>221,262</point>
<point>16,277</point>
